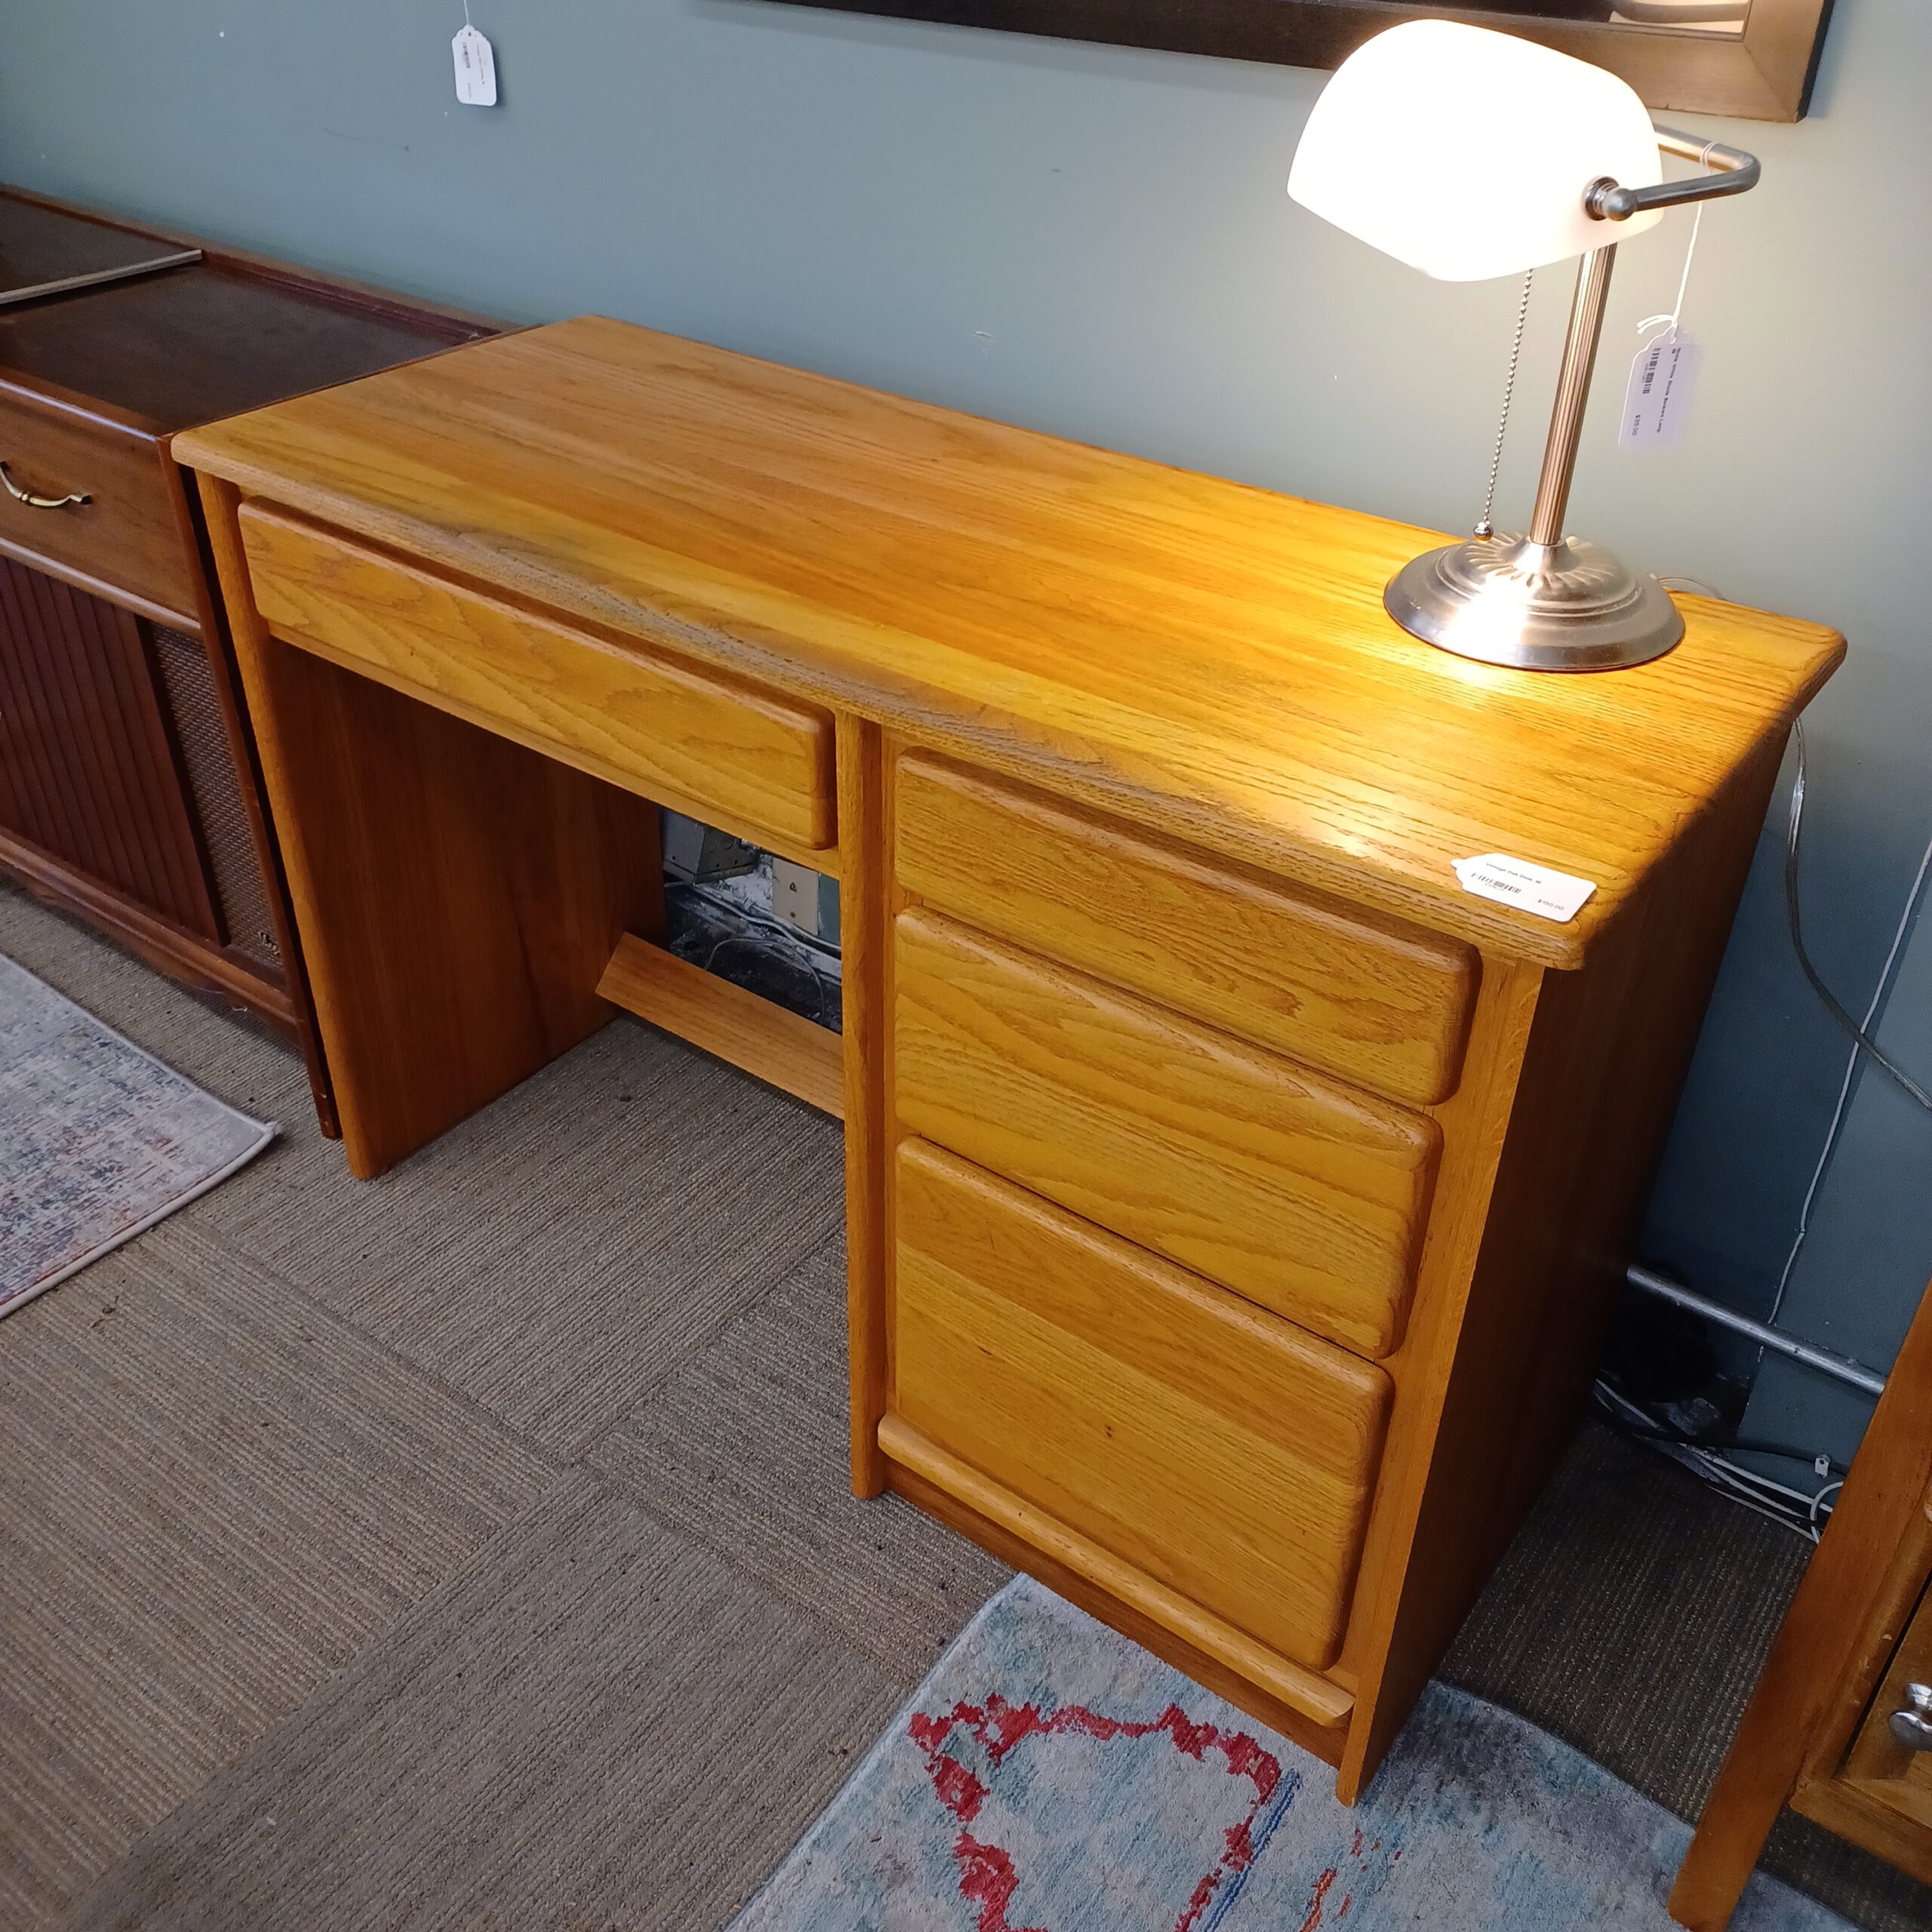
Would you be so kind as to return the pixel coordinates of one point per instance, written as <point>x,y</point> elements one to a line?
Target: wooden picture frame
<point>1765,73</point>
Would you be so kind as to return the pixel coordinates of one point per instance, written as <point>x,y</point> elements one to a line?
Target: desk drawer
<point>745,759</point>
<point>1887,1772</point>
<point>1225,1454</point>
<point>1380,1004</point>
<point>1291,1189</point>
<point>127,536</point>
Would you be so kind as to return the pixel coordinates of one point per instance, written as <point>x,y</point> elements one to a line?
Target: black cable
<point>1684,1439</point>
<point>1818,987</point>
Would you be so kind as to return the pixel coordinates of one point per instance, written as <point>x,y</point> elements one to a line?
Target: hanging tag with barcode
<point>1656,404</point>
<point>476,68</point>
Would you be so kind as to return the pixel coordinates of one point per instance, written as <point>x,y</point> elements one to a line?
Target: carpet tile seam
<point>411,1370</point>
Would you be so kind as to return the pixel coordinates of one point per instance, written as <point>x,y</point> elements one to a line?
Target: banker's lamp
<point>1468,154</point>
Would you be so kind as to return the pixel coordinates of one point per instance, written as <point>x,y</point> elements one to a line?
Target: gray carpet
<point>473,1548</point>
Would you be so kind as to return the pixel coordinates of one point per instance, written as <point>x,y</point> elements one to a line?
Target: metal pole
<point>1573,395</point>
<point>1840,1368</point>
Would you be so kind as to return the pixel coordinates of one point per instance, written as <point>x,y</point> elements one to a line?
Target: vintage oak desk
<point>1235,1204</point>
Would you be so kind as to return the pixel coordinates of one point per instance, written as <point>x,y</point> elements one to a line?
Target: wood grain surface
<point>734,755</point>
<point>782,1048</point>
<point>1380,1004</point>
<point>1877,1766</point>
<point>1859,1620</point>
<point>126,535</point>
<point>1309,1692</point>
<point>1225,1453</point>
<point>1293,1190</point>
<point>864,889</point>
<point>458,896</point>
<point>1206,659</point>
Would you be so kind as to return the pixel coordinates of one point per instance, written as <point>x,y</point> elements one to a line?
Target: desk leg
<point>862,867</point>
<point>457,895</point>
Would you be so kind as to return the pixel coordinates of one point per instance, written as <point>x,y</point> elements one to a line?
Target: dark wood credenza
<point>128,790</point>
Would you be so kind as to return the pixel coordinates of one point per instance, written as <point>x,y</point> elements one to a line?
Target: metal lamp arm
<point>1729,171</point>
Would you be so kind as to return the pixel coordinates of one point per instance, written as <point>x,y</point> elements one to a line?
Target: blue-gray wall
<point>1096,242</point>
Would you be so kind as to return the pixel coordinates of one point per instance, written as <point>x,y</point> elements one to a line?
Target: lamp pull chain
<point>1484,529</point>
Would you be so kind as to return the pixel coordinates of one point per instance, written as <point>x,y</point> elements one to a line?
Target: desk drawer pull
<point>34,502</point>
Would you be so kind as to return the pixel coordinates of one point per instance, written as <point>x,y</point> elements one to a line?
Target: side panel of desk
<point>458,896</point>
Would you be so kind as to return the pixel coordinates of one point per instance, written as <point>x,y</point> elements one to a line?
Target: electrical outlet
<point>799,897</point>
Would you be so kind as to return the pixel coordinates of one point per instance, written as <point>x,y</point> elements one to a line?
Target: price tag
<point>476,68</point>
<point>1538,889</point>
<point>1657,405</point>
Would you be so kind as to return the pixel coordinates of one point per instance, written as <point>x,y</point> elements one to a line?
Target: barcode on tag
<point>475,69</point>
<point>1657,400</point>
<point>1538,889</point>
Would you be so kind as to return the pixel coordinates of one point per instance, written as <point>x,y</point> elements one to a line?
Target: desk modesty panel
<point>1235,1204</point>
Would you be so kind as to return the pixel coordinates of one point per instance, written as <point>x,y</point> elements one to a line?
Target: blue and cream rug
<point>1051,1777</point>
<point>98,1140</point>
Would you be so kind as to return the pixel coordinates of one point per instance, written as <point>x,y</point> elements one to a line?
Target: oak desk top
<point>1210,659</point>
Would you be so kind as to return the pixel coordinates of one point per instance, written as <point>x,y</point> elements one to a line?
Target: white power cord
<point>1804,1512</point>
<point>1839,1112</point>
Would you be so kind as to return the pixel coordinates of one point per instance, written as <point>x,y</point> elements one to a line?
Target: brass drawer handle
<point>39,502</point>
<point>1912,1726</point>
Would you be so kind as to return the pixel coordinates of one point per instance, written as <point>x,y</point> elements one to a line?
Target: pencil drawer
<point>751,761</point>
<point>1382,1005</point>
<point>1228,1456</point>
<point>127,536</point>
<point>1301,1194</point>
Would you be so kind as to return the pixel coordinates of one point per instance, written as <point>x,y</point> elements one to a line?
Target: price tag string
<point>1676,314</point>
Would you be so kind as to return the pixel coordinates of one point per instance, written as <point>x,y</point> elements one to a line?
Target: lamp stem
<point>1573,394</point>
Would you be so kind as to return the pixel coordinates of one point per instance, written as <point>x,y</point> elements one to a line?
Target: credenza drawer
<point>127,536</point>
<point>1228,1456</point>
<point>1286,1186</point>
<point>749,760</point>
<point>1381,1005</point>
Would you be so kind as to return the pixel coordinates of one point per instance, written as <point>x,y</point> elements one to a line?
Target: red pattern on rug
<point>986,1876</point>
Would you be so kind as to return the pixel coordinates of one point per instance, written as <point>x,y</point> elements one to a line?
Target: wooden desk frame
<point>475,892</point>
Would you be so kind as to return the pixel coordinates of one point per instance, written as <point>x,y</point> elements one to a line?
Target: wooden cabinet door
<point>89,772</point>
<point>1890,1760</point>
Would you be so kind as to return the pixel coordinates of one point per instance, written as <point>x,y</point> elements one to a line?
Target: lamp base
<point>1567,606</point>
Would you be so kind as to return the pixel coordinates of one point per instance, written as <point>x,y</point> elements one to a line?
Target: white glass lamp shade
<point>1467,153</point>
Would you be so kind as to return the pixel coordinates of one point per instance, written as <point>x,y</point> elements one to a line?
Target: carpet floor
<point>472,1548</point>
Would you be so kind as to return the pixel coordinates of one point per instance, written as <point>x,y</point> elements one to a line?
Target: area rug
<point>1051,1777</point>
<point>98,1140</point>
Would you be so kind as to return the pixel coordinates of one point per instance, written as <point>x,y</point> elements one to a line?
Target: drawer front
<point>1890,1763</point>
<point>1225,1454</point>
<point>1291,1189</point>
<point>745,759</point>
<point>1380,1004</point>
<point>127,536</point>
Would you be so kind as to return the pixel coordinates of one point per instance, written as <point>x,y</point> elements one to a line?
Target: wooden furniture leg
<point>1837,1637</point>
<point>862,841</point>
<point>458,896</point>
